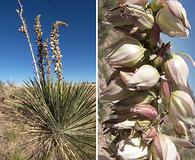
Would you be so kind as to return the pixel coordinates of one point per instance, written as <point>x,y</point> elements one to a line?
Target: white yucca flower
<point>181,107</point>
<point>126,53</point>
<point>132,149</point>
<point>163,148</point>
<point>172,19</point>
<point>144,77</point>
<point>176,69</point>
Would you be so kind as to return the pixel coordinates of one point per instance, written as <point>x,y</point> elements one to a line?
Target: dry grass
<point>11,133</point>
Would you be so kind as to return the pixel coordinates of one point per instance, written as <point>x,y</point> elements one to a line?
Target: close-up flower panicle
<point>151,87</point>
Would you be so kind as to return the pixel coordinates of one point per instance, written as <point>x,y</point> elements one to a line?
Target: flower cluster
<point>38,32</point>
<point>54,44</point>
<point>47,61</point>
<point>149,83</point>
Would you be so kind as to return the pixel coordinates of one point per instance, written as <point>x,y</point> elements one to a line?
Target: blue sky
<point>186,45</point>
<point>77,42</point>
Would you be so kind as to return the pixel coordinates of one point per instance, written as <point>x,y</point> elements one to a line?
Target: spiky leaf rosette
<point>61,121</point>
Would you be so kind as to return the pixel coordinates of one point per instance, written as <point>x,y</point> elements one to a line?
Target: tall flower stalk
<point>40,55</point>
<point>47,60</point>
<point>54,44</point>
<point>23,29</point>
<point>149,84</point>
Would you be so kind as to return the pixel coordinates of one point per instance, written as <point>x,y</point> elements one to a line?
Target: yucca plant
<point>61,122</point>
<point>59,116</point>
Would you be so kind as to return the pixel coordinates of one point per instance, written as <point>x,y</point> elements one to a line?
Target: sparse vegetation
<point>2,84</point>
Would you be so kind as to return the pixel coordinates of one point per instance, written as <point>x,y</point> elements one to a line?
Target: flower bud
<point>146,111</point>
<point>162,148</point>
<point>145,77</point>
<point>131,15</point>
<point>165,91</point>
<point>181,107</point>
<point>176,70</point>
<point>172,19</point>
<point>131,149</point>
<point>115,91</point>
<point>143,111</point>
<point>126,53</point>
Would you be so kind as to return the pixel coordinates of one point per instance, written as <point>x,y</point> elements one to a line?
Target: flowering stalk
<point>47,61</point>
<point>54,44</point>
<point>149,84</point>
<point>23,29</point>
<point>38,32</point>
